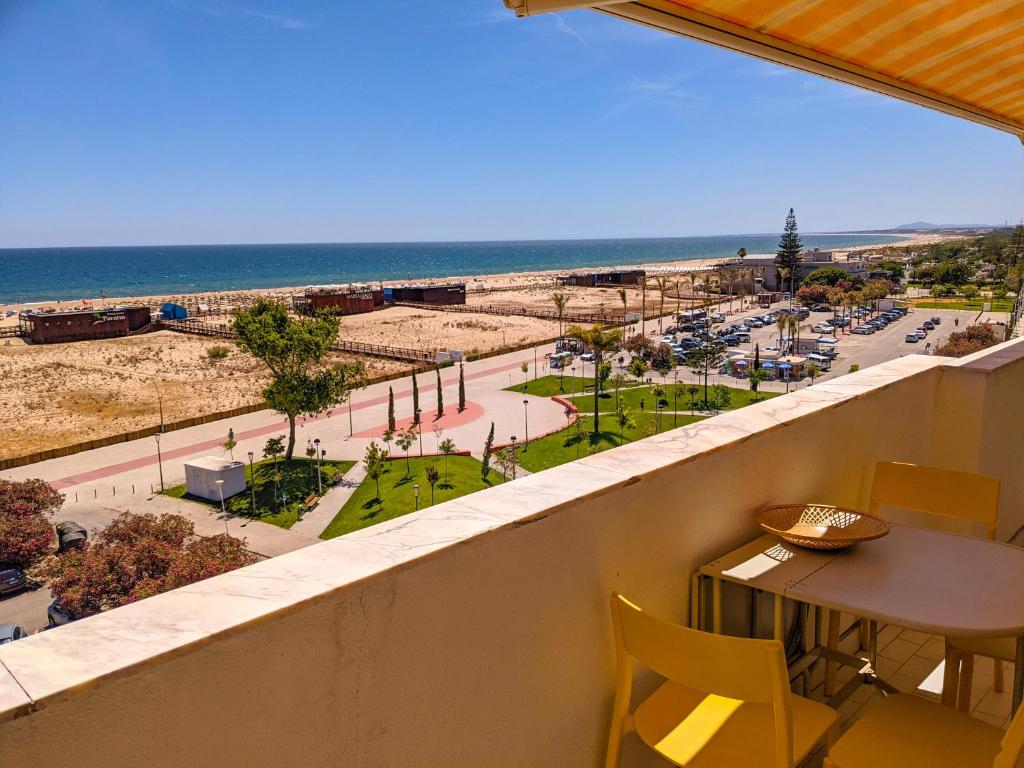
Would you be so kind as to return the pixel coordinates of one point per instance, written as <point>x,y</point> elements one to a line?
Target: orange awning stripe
<point>963,57</point>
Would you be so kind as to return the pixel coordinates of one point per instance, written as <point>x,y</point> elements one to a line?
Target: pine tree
<point>391,409</point>
<point>788,255</point>
<point>415,400</point>
<point>485,465</point>
<point>462,390</point>
<point>440,396</point>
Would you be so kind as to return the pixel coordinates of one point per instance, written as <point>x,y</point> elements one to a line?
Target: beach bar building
<point>354,300</point>
<point>594,279</point>
<point>443,294</point>
<point>83,324</point>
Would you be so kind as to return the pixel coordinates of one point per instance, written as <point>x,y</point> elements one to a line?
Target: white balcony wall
<point>476,633</point>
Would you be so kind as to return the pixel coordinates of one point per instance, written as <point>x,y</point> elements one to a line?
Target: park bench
<point>311,501</point>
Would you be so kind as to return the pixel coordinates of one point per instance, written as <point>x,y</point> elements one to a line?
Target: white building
<point>201,476</point>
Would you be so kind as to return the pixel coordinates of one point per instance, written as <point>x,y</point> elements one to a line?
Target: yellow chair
<point>726,701</point>
<point>946,493</point>
<point>907,730</point>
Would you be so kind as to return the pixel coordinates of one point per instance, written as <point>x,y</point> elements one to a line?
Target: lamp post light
<point>160,401</point>
<point>573,369</point>
<point>526,424</point>
<point>319,480</point>
<point>223,510</point>
<point>513,457</point>
<point>416,491</point>
<point>252,482</point>
<point>159,461</point>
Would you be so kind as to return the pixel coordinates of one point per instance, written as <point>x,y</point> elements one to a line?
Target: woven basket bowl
<point>821,526</point>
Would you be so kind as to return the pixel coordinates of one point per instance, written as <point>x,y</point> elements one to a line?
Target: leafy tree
<point>969,291</point>
<point>942,290</point>
<point>26,534</point>
<point>757,357</point>
<point>375,460</point>
<point>624,298</point>
<point>525,368</point>
<point>637,344</point>
<point>440,396</point>
<point>808,295</point>
<point>295,350</point>
<point>432,477</point>
<point>229,444</point>
<point>692,392</point>
<point>638,367</point>
<point>415,400</point>
<point>755,377</point>
<point>138,556</point>
<point>790,247</point>
<point>952,272</point>
<point>273,449</point>
<point>391,409</point>
<point>388,438</point>
<point>462,389</point>
<point>404,441</point>
<point>813,370</point>
<point>723,397</point>
<point>968,341</point>
<point>704,359</point>
<point>485,465</point>
<point>600,342</point>
<point>741,254</point>
<point>663,359</point>
<point>895,269</point>
<point>506,461</point>
<point>447,447</point>
<point>829,276</point>
<point>625,420</point>
<point>604,370</point>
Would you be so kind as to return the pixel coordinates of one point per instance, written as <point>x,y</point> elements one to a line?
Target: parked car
<point>937,320</point>
<point>753,322</point>
<point>587,357</point>
<point>11,580</point>
<point>70,535</point>
<point>912,338</point>
<point>56,616</point>
<point>743,336</point>
<point>841,322</point>
<point>921,333</point>
<point>732,339</point>
<point>928,325</point>
<point>686,327</point>
<point>823,328</point>
<point>821,308</point>
<point>863,330</point>
<point>11,632</point>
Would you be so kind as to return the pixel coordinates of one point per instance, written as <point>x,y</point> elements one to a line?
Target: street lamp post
<point>252,482</point>
<point>160,401</point>
<point>419,429</point>
<point>526,423</point>
<point>159,461</point>
<point>319,480</point>
<point>416,491</point>
<point>513,457</point>
<point>223,510</point>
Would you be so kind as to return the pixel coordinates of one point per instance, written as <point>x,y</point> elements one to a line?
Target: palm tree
<point>643,305</point>
<point>714,281</point>
<point>662,283</point>
<point>782,323</point>
<point>599,341</point>
<point>678,298</point>
<point>793,324</point>
<point>560,300</point>
<point>784,273</point>
<point>742,254</point>
<point>730,284</point>
<point>624,298</point>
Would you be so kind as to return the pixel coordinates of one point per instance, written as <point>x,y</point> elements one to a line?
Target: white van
<point>824,362</point>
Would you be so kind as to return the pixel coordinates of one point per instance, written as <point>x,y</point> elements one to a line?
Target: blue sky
<point>181,121</point>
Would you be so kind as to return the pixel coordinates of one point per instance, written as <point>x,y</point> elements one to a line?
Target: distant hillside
<point>924,226</point>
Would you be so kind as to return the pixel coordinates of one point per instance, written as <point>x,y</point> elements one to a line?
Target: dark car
<point>70,535</point>
<point>687,327</point>
<point>11,580</point>
<point>11,632</point>
<point>821,308</point>
<point>56,616</point>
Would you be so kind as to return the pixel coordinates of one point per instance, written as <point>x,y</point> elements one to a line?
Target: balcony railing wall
<point>476,632</point>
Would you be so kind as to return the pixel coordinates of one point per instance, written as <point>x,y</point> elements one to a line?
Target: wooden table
<point>934,582</point>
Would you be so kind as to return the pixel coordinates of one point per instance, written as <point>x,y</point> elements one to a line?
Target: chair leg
<point>998,683</point>
<point>950,677</point>
<point>963,698</point>
<point>865,635</point>
<point>832,642</point>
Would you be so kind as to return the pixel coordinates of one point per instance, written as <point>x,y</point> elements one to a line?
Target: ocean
<point>70,274</point>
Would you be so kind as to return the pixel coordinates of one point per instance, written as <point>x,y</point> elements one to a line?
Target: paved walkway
<point>318,518</point>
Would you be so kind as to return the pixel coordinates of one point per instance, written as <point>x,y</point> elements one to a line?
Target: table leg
<point>1018,676</point>
<point>716,605</point>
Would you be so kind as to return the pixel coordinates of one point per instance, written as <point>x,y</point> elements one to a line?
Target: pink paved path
<point>143,461</point>
<point>452,418</point>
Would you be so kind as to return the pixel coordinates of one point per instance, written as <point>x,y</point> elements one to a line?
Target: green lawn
<point>974,305</point>
<point>548,386</point>
<point>630,398</point>
<point>297,481</point>
<point>398,495</point>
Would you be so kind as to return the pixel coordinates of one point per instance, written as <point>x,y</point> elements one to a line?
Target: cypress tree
<point>440,396</point>
<point>757,357</point>
<point>462,390</point>
<point>485,465</point>
<point>391,409</point>
<point>788,255</point>
<point>415,400</point>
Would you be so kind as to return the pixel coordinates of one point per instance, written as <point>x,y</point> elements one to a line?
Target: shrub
<point>217,352</point>
<point>966,342</point>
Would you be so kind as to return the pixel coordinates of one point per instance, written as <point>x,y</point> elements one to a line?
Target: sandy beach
<point>59,394</point>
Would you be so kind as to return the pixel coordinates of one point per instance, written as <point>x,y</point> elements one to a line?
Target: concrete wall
<point>476,633</point>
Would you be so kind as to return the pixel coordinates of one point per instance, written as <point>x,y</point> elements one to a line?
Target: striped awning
<point>963,57</point>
